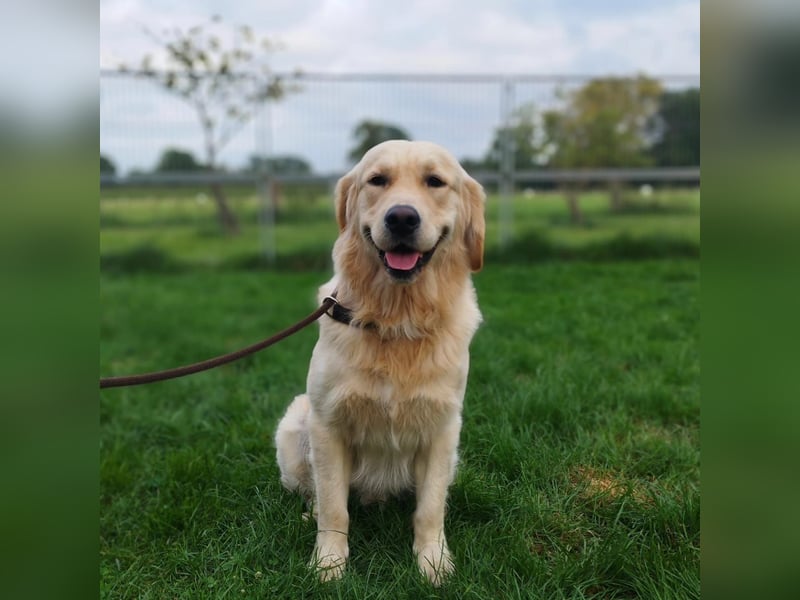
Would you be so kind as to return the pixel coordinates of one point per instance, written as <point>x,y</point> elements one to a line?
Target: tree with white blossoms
<point>224,74</point>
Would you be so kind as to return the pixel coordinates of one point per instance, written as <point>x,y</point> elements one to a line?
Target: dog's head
<point>411,203</point>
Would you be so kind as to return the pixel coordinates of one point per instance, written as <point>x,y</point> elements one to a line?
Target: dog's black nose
<point>402,220</point>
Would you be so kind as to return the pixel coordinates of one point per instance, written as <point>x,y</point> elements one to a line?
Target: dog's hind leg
<point>293,449</point>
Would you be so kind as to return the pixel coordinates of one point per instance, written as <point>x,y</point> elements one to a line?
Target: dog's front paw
<point>329,560</point>
<point>435,562</point>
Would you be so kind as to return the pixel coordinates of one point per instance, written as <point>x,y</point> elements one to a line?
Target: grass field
<point>158,230</point>
<point>579,472</point>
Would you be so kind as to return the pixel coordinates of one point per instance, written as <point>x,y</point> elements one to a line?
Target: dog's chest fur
<point>397,388</point>
<point>388,399</point>
<point>385,433</point>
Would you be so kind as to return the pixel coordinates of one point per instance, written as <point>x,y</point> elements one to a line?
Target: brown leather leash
<point>128,380</point>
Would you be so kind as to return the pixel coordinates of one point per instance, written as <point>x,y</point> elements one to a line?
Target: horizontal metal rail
<point>632,175</point>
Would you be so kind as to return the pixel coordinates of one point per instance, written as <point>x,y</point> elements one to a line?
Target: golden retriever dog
<point>382,410</point>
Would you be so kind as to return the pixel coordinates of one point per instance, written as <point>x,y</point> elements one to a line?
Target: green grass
<point>146,230</point>
<point>579,469</point>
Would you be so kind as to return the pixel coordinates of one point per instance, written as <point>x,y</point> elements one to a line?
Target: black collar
<point>337,312</point>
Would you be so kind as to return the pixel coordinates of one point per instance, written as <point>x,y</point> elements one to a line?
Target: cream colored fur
<point>382,411</point>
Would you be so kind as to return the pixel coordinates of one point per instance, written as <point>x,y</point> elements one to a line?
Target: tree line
<point>607,122</point>
<point>179,160</point>
<point>610,122</point>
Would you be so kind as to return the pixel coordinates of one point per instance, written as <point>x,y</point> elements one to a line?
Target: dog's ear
<point>344,197</point>
<point>475,198</point>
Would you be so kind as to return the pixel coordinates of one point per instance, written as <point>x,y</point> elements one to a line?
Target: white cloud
<point>431,35</point>
<point>416,36</point>
<point>440,36</point>
<point>664,41</point>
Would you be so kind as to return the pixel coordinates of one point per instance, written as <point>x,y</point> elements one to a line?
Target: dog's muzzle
<point>403,261</point>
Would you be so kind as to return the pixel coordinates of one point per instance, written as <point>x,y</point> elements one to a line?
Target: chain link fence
<point>315,124</point>
<point>315,121</point>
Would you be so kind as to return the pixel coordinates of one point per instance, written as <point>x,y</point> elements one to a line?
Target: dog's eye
<point>378,180</point>
<point>434,181</point>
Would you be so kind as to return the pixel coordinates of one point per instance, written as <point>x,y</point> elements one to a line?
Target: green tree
<point>279,165</point>
<point>370,133</point>
<point>223,82</point>
<point>107,165</point>
<point>522,136</point>
<point>676,127</point>
<point>604,123</point>
<point>176,160</point>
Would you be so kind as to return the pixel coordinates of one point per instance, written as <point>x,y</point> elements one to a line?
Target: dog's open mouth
<point>404,262</point>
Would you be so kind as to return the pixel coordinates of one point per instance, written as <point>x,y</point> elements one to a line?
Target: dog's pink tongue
<point>402,262</point>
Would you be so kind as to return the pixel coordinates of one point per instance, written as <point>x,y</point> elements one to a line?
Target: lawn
<point>579,471</point>
<point>169,232</point>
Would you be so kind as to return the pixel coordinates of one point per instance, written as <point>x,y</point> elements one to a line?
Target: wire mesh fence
<point>315,122</point>
<point>307,137</point>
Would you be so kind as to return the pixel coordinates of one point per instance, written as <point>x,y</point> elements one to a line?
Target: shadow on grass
<point>534,247</point>
<point>140,259</point>
<point>656,208</point>
<point>626,247</point>
<point>311,259</point>
<point>149,258</point>
<point>529,248</point>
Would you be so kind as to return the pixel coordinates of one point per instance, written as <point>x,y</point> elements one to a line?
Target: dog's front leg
<point>332,464</point>
<point>433,472</point>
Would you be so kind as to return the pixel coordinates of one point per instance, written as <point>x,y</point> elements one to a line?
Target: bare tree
<point>224,74</point>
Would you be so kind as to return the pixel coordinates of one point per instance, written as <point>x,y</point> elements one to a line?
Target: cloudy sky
<point>508,37</point>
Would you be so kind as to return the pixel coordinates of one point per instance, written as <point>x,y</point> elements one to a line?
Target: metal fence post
<point>266,189</point>
<point>506,188</point>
